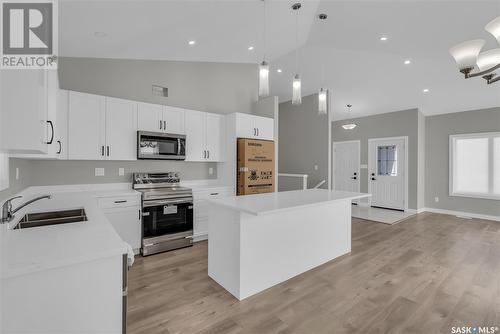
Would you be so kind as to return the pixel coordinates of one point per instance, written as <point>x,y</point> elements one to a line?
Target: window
<point>475,165</point>
<point>387,160</point>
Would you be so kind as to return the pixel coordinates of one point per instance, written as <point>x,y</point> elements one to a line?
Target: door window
<point>387,160</point>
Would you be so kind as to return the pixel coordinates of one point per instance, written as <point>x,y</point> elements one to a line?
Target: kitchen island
<point>258,241</point>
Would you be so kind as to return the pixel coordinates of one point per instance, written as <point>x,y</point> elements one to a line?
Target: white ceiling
<point>344,53</point>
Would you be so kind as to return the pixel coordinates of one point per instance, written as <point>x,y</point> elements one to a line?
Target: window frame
<point>451,162</point>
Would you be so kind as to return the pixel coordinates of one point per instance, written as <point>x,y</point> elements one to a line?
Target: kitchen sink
<point>51,218</point>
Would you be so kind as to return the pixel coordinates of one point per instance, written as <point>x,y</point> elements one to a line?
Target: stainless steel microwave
<point>160,146</point>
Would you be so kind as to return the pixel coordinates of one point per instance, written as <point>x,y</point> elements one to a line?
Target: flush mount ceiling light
<point>250,48</point>
<point>296,84</point>
<point>467,56</point>
<point>383,38</point>
<point>425,90</point>
<point>264,66</point>
<point>279,70</point>
<point>323,92</point>
<point>192,42</point>
<point>407,62</point>
<point>350,125</point>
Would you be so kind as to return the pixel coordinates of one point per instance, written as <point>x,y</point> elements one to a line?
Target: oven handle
<point>148,204</point>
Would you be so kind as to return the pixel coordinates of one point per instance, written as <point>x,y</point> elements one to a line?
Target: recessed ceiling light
<point>383,38</point>
<point>407,62</point>
<point>425,90</point>
<point>100,34</point>
<point>192,42</point>
<point>279,70</point>
<point>250,48</point>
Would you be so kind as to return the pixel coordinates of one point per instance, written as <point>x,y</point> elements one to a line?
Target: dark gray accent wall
<point>303,143</point>
<point>393,124</point>
<point>212,87</point>
<point>438,129</point>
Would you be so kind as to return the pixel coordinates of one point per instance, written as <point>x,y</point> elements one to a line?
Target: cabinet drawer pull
<point>102,150</point>
<point>213,194</point>
<point>121,201</point>
<point>60,147</point>
<point>52,133</point>
<point>160,124</point>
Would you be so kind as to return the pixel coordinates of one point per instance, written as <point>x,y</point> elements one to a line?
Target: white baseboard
<point>200,237</point>
<point>462,214</point>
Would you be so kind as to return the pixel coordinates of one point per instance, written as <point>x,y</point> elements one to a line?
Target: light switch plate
<point>121,171</point>
<point>210,171</point>
<point>436,199</point>
<point>17,173</point>
<point>315,167</point>
<point>99,172</point>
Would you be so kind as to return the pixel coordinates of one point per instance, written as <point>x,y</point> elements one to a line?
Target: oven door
<point>152,145</point>
<point>162,217</point>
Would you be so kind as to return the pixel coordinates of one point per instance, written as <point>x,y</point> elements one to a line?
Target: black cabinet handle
<point>160,124</point>
<point>107,151</point>
<point>165,125</point>
<point>52,130</point>
<point>60,147</point>
<point>373,179</point>
<point>354,178</point>
<point>208,154</point>
<point>213,194</point>
<point>121,201</point>
<point>102,150</point>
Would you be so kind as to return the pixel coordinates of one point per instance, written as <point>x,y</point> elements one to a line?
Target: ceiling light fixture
<point>407,62</point>
<point>192,42</point>
<point>425,90</point>
<point>264,66</point>
<point>467,56</point>
<point>100,34</point>
<point>250,48</point>
<point>323,92</point>
<point>383,38</point>
<point>296,84</point>
<point>350,125</point>
<point>279,70</point>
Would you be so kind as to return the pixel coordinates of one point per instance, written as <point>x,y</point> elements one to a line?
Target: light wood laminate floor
<point>424,275</point>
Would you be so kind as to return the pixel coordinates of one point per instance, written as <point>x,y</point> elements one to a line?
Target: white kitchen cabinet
<point>124,213</point>
<point>25,124</point>
<point>150,117</point>
<point>200,221</point>
<point>254,127</point>
<point>157,118</point>
<point>86,126</point>
<point>121,129</point>
<point>61,133</point>
<point>205,134</point>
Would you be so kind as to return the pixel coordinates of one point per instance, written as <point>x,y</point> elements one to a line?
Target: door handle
<point>52,133</point>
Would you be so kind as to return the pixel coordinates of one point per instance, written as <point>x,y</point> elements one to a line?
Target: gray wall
<point>393,124</point>
<point>438,129</point>
<point>303,143</point>
<point>24,177</point>
<point>213,87</point>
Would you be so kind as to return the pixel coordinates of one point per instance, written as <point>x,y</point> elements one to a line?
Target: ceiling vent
<point>160,91</point>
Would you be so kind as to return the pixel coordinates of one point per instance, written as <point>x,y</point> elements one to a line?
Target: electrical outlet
<point>99,172</point>
<point>17,173</point>
<point>121,171</point>
<point>210,171</point>
<point>436,199</point>
<point>315,167</point>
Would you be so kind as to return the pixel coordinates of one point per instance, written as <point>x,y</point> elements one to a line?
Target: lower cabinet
<point>200,224</point>
<point>124,213</point>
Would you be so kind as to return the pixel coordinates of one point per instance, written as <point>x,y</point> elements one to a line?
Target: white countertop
<point>261,204</point>
<point>41,248</point>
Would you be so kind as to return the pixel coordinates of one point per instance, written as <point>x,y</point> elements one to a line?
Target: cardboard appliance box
<point>255,166</point>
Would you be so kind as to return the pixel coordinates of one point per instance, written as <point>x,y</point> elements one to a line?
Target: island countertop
<point>260,204</point>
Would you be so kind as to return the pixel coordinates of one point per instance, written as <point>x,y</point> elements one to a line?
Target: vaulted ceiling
<point>343,53</point>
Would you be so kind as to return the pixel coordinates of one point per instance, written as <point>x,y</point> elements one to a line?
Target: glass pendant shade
<point>494,28</point>
<point>349,126</point>
<point>488,59</point>
<point>263,79</point>
<point>466,53</point>
<point>322,101</point>
<point>296,90</point>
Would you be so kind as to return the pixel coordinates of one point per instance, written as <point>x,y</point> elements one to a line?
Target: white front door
<point>346,165</point>
<point>386,179</point>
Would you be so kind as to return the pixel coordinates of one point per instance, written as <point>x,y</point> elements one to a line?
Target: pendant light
<point>323,93</point>
<point>350,125</point>
<point>264,66</point>
<point>296,85</point>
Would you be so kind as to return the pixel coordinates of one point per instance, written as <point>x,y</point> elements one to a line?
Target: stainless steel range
<point>167,212</point>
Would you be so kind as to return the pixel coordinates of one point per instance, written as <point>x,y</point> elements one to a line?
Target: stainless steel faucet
<point>8,213</point>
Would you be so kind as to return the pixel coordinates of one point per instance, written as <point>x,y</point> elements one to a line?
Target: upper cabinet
<point>26,127</point>
<point>101,128</point>
<point>157,118</point>
<point>205,133</point>
<point>254,127</point>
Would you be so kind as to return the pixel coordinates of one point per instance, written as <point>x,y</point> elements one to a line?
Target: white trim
<point>451,164</point>
<point>406,140</point>
<point>359,162</point>
<point>330,120</point>
<point>461,214</point>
